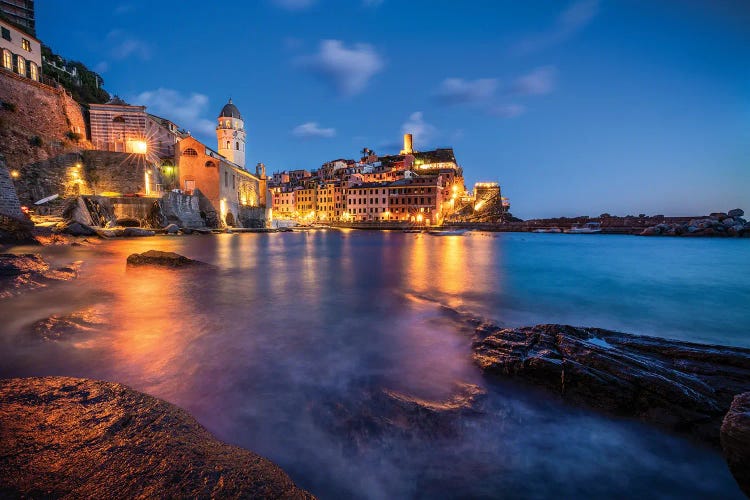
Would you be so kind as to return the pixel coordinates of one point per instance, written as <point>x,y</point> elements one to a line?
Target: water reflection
<point>288,326</point>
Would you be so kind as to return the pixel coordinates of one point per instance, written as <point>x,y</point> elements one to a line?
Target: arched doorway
<point>230,219</point>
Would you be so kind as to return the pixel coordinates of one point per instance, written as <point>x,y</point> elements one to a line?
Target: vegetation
<point>82,83</point>
<point>73,136</point>
<point>35,141</point>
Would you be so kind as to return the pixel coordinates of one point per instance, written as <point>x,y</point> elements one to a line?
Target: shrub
<point>73,136</point>
<point>35,141</point>
<point>9,106</point>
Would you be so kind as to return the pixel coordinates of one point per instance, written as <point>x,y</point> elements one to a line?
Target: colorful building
<point>21,52</point>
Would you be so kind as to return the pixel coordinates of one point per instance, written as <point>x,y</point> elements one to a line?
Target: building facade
<point>118,126</point>
<point>21,52</point>
<point>20,12</point>
<point>230,134</point>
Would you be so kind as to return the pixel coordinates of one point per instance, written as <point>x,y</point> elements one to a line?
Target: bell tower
<point>230,134</point>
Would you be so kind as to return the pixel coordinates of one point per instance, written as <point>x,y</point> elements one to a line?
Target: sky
<point>576,107</point>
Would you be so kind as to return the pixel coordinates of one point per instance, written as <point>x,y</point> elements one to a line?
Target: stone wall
<point>254,217</point>
<point>181,209</point>
<point>9,204</point>
<point>111,172</point>
<point>35,121</point>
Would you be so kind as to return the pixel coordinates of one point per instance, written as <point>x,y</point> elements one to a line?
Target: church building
<point>238,197</point>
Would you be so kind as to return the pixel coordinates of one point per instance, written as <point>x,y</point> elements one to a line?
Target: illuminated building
<point>21,52</point>
<point>231,135</point>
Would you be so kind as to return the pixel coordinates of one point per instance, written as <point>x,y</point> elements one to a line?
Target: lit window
<point>7,60</point>
<point>33,72</point>
<point>25,45</point>
<point>228,145</point>
<point>21,65</point>
<point>190,152</point>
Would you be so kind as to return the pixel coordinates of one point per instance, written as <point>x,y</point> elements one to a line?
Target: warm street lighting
<point>15,174</point>
<point>139,147</point>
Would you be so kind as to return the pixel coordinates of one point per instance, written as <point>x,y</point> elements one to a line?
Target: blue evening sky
<point>575,107</point>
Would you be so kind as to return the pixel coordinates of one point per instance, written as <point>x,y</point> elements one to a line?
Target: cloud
<point>124,45</point>
<point>567,24</point>
<point>539,82</point>
<point>185,110</point>
<point>293,5</point>
<point>507,110</point>
<point>311,130</point>
<point>349,70</point>
<point>460,91</point>
<point>422,131</point>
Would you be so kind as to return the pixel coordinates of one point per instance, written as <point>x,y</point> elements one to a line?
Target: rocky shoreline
<point>78,438</point>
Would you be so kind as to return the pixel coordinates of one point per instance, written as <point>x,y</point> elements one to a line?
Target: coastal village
<point>112,163</point>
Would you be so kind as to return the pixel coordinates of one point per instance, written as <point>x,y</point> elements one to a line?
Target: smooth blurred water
<point>286,323</point>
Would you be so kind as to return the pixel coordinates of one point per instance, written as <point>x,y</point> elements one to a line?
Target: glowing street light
<point>139,147</point>
<point>15,174</point>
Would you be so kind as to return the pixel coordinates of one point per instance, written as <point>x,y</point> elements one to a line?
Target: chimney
<point>407,145</point>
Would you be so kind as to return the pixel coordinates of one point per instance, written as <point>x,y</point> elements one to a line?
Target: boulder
<point>60,327</point>
<point>172,229</point>
<point>681,386</point>
<point>735,440</point>
<point>26,272</point>
<point>128,222</point>
<point>137,231</point>
<point>718,215</point>
<point>75,228</point>
<point>76,438</point>
<point>737,212</point>
<point>728,222</point>
<point>651,231</point>
<point>161,259</point>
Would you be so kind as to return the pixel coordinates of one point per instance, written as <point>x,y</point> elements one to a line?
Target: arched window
<point>33,71</point>
<point>210,164</point>
<point>190,152</point>
<point>21,65</point>
<point>118,119</point>
<point>228,146</point>
<point>237,146</point>
<point>7,59</point>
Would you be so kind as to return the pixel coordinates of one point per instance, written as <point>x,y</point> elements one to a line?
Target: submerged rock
<point>171,229</point>
<point>161,259</point>
<point>372,415</point>
<point>137,231</point>
<point>78,438</point>
<point>682,386</point>
<point>735,440</point>
<point>65,326</point>
<point>26,272</point>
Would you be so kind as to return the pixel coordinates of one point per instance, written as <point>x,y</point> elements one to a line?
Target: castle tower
<point>408,148</point>
<point>230,134</point>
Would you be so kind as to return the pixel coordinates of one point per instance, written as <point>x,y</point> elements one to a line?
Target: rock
<point>107,233</point>
<point>651,231</point>
<point>691,228</point>
<point>74,228</point>
<point>65,326</point>
<point>735,440</point>
<point>737,212</point>
<point>172,229</point>
<point>186,230</point>
<point>26,272</point>
<point>78,438</point>
<point>728,222</point>
<point>161,259</point>
<point>128,222</point>
<point>137,231</point>
<point>718,215</point>
<point>681,386</point>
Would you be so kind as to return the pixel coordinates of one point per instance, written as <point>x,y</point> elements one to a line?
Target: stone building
<point>238,197</point>
<point>118,126</point>
<point>21,52</point>
<point>21,13</point>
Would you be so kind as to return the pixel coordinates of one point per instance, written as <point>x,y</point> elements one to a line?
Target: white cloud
<point>185,110</point>
<point>539,82</point>
<point>123,45</point>
<point>311,130</point>
<point>567,24</point>
<point>349,70</point>
<point>459,91</point>
<point>293,5</point>
<point>507,110</point>
<point>422,131</point>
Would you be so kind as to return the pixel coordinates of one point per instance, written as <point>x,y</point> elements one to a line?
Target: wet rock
<point>78,438</point>
<point>681,386</point>
<point>74,228</point>
<point>137,231</point>
<point>128,222</point>
<point>26,272</point>
<point>735,440</point>
<point>737,212</point>
<point>372,415</point>
<point>172,229</point>
<point>161,259</point>
<point>65,326</point>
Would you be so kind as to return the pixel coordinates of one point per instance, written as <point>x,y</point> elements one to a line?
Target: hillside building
<point>21,13</point>
<point>21,52</point>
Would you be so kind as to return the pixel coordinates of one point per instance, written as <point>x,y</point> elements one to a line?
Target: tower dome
<point>230,111</point>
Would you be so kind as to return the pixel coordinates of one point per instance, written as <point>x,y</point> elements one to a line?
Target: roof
<point>230,111</point>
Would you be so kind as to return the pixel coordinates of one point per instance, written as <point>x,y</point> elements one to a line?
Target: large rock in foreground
<point>735,440</point>
<point>81,438</point>
<point>682,386</point>
<point>161,259</point>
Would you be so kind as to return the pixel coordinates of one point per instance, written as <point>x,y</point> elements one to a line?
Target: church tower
<point>230,133</point>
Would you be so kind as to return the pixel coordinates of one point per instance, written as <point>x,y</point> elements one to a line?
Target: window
<point>7,60</point>
<point>21,65</point>
<point>25,45</point>
<point>228,146</point>
<point>118,119</point>
<point>6,34</point>
<point>190,152</point>
<point>209,164</point>
<point>226,179</point>
<point>237,146</point>
<point>33,72</point>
